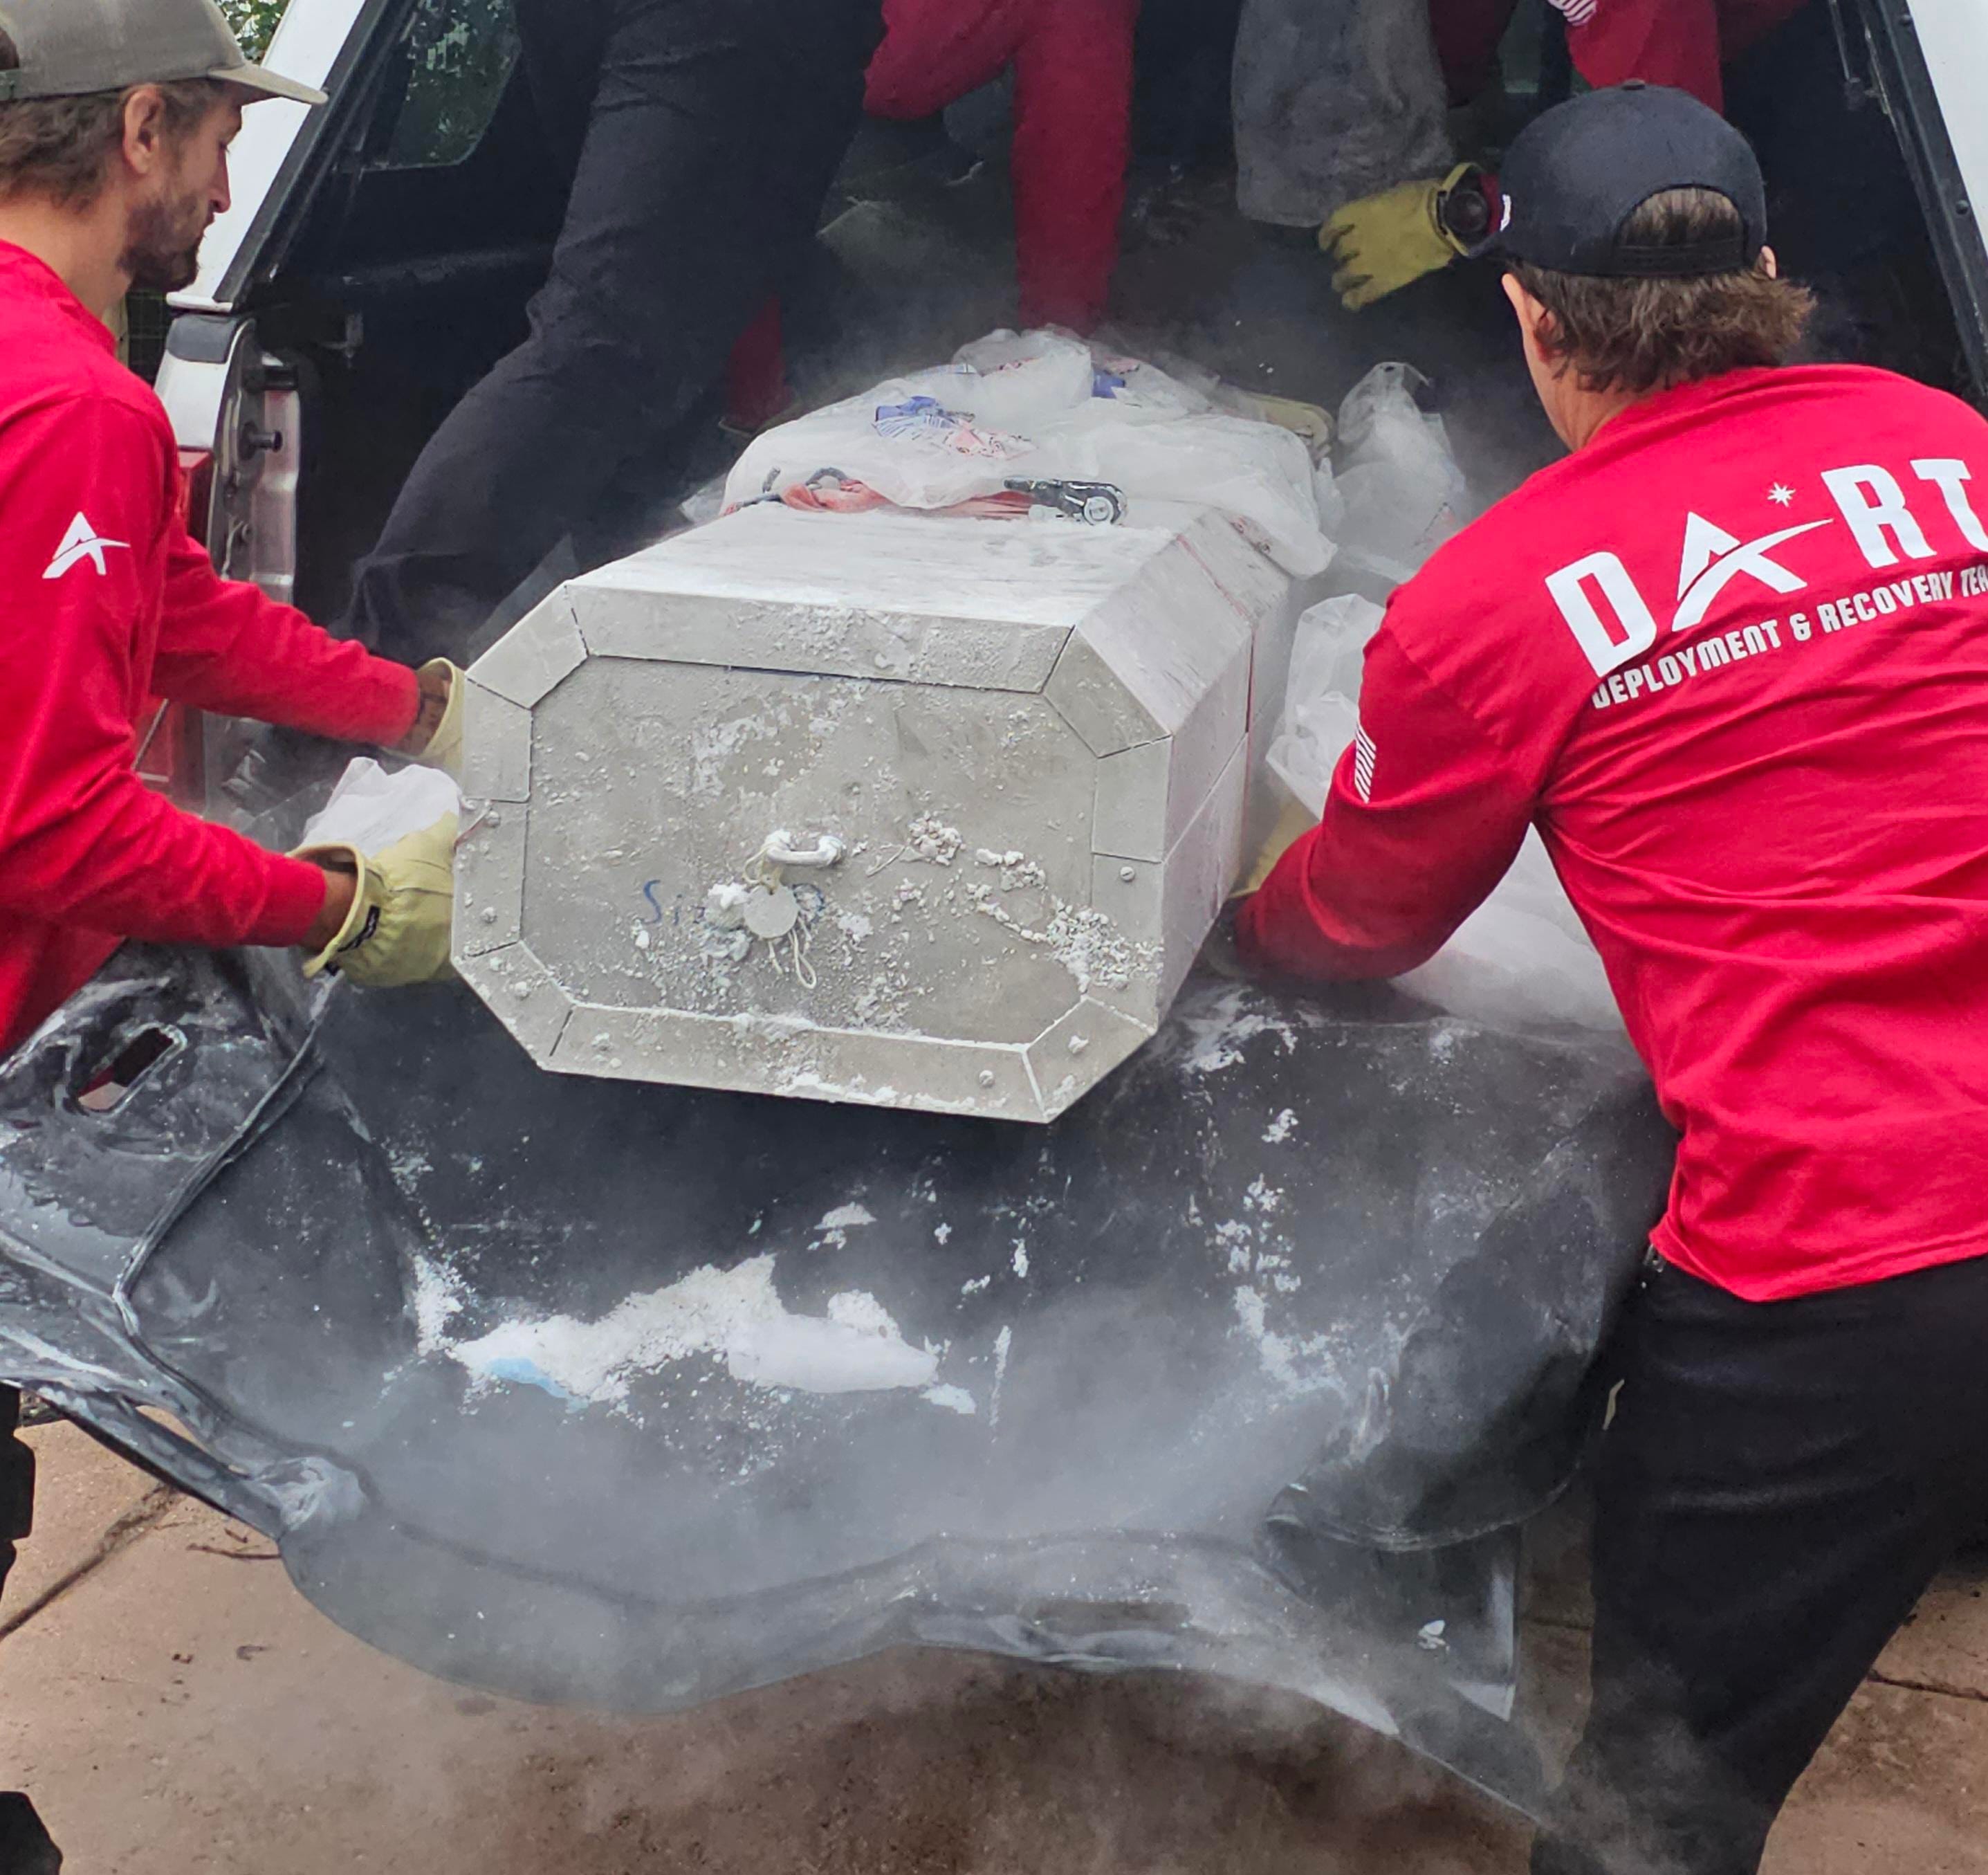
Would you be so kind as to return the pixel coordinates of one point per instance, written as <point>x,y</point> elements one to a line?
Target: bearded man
<point>115,120</point>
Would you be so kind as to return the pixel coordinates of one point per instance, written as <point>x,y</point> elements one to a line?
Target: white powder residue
<point>1261,1196</point>
<point>1299,1363</point>
<point>1021,1258</point>
<point>932,839</point>
<point>1087,943</point>
<point>942,1233</point>
<point>1004,1344</point>
<point>714,749</point>
<point>736,1314</point>
<point>854,1309</point>
<point>408,1167</point>
<point>954,1399</point>
<point>1093,950</point>
<point>836,1226</point>
<point>1218,1044</point>
<point>976,1287</point>
<point>1281,1128</point>
<point>437,1299</point>
<point>1019,872</point>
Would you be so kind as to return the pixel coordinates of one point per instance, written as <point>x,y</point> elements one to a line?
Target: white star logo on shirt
<point>1781,495</point>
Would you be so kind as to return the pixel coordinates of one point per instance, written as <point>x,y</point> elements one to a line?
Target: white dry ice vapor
<point>736,1314</point>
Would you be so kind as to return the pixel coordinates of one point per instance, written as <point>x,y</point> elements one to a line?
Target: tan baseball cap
<point>71,48</point>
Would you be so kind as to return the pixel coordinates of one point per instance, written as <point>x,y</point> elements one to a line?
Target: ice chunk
<point>735,1314</point>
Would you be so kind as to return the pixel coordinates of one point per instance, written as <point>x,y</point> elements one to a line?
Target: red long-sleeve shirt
<point>105,603</point>
<point>1732,659</point>
<point>1685,44</point>
<point>1073,65</point>
<point>1072,148</point>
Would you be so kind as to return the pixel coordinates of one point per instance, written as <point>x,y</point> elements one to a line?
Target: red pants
<point>1073,65</point>
<point>1684,43</point>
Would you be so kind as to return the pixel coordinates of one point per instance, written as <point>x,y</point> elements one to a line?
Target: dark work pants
<point>25,1847</point>
<point>703,136</point>
<point>17,1481</point>
<point>1781,1484</point>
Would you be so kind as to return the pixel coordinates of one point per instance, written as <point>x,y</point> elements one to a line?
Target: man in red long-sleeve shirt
<point>1731,659</point>
<point>115,118</point>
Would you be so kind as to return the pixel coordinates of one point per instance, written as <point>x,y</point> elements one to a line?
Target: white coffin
<point>1028,741</point>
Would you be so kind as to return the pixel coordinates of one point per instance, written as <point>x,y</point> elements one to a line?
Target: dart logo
<point>1615,624</point>
<point>83,541</point>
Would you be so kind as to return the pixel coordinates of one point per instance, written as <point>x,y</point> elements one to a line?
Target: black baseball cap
<point>1576,174</point>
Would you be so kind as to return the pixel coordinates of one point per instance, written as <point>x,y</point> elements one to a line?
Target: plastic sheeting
<point>589,1391</point>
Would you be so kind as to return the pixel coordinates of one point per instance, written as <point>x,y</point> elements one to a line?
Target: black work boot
<point>25,1846</point>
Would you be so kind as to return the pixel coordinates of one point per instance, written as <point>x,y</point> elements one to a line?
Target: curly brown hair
<point>1641,335</point>
<point>61,147</point>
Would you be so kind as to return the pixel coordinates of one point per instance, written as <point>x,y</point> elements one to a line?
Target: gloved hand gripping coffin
<point>894,808</point>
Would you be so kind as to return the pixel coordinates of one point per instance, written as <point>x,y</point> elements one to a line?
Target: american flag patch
<point>1578,12</point>
<point>1363,766</point>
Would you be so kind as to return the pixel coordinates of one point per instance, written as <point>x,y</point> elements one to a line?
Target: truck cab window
<point>454,65</point>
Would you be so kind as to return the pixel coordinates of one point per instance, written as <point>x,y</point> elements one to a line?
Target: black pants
<point>1780,1484</point>
<point>702,136</point>
<point>25,1847</point>
<point>17,1481</point>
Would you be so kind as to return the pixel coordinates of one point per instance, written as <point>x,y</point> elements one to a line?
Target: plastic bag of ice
<point>1405,494</point>
<point>918,442</point>
<point>371,809</point>
<point>1258,475</point>
<point>1523,956</point>
<point>1041,406</point>
<point>1322,696</point>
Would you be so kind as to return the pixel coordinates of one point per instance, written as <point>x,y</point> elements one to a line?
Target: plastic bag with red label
<point>1042,408</point>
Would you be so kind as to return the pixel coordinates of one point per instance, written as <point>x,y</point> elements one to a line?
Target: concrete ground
<point>175,1707</point>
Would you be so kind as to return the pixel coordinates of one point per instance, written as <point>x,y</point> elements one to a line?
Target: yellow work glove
<point>1292,824</point>
<point>1383,243</point>
<point>442,747</point>
<point>403,906</point>
<point>1221,955</point>
<point>1308,422</point>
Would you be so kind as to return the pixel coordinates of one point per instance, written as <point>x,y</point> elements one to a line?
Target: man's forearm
<point>1282,931</point>
<point>227,648</point>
